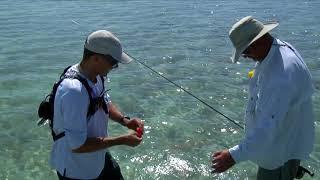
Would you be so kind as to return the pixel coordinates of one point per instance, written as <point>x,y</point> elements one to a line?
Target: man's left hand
<point>222,161</point>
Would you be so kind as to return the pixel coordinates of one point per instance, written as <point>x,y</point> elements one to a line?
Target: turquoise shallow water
<point>185,40</point>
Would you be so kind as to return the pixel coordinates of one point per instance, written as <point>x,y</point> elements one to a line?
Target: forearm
<point>116,115</point>
<point>95,144</point>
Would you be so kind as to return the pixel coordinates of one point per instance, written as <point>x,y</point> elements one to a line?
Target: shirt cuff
<point>237,154</point>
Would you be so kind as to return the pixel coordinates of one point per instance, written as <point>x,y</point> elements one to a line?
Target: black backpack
<point>46,107</point>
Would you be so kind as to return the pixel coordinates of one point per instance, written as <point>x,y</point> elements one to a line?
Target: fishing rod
<point>180,87</point>
<point>188,92</point>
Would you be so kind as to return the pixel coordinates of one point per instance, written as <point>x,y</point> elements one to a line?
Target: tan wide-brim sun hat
<point>245,32</point>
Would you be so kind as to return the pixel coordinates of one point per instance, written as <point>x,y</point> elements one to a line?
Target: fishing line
<point>191,94</point>
<point>188,92</point>
<point>180,87</point>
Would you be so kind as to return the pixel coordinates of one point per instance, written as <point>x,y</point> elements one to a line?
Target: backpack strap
<point>93,101</point>
<point>97,102</point>
<point>57,136</point>
<point>54,91</point>
<point>102,81</point>
<point>51,100</point>
<point>52,97</point>
<point>91,108</point>
<point>64,72</point>
<point>104,104</point>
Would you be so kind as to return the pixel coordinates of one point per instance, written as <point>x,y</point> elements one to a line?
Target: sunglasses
<point>247,51</point>
<point>114,63</point>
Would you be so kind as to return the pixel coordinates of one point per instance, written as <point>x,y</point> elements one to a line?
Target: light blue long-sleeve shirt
<point>279,116</point>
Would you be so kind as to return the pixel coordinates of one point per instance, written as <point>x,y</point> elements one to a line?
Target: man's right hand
<point>131,139</point>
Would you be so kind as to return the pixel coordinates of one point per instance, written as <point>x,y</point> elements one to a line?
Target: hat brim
<point>125,58</point>
<point>267,27</point>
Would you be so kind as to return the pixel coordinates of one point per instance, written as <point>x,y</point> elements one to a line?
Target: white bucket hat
<point>245,32</point>
<point>104,42</point>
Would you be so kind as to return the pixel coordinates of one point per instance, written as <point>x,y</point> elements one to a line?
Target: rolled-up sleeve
<point>270,112</point>
<point>74,108</point>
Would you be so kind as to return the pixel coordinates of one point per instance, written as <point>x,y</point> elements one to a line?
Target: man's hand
<point>131,139</point>
<point>222,161</point>
<point>135,123</point>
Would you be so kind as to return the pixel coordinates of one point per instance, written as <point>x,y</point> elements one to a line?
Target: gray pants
<point>286,172</point>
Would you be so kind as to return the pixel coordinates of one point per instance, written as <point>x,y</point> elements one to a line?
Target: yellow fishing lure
<point>251,74</point>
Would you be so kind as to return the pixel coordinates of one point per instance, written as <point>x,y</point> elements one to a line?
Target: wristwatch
<point>122,120</point>
<point>126,117</point>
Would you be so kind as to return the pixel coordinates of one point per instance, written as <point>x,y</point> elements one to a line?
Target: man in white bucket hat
<point>279,116</point>
<point>81,112</point>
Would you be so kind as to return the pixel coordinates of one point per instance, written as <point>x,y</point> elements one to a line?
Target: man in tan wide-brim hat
<point>245,32</point>
<point>279,116</point>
